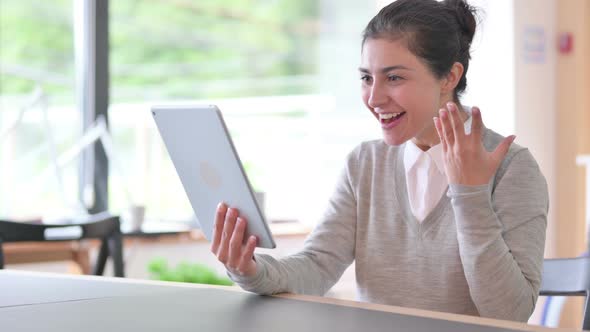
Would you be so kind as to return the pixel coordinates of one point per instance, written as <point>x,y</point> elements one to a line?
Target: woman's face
<point>401,92</point>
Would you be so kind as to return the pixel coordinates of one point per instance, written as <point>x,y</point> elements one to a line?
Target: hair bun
<point>465,15</point>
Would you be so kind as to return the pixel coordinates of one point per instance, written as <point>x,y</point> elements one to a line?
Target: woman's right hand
<point>227,245</point>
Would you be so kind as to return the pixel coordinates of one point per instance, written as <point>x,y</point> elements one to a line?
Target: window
<point>38,121</point>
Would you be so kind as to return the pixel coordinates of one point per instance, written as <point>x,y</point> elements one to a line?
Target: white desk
<point>49,302</point>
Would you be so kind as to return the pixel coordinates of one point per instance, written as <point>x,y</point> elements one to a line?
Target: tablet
<point>209,168</point>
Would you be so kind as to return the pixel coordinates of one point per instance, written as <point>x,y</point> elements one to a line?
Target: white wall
<point>535,88</point>
<point>490,77</point>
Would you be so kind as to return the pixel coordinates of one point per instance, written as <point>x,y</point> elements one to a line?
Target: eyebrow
<point>386,69</point>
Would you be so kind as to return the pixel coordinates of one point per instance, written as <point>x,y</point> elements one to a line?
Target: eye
<point>394,78</point>
<point>366,78</point>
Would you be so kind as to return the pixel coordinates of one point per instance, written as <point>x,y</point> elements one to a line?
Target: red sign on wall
<point>565,42</point>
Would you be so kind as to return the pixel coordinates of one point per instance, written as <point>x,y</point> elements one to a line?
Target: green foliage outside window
<point>168,48</point>
<point>185,272</point>
<point>36,40</point>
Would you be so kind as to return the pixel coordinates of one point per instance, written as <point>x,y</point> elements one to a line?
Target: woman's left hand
<point>466,160</point>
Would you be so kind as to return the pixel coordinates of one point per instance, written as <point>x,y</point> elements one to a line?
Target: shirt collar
<point>411,155</point>
<point>467,110</point>
<point>436,154</point>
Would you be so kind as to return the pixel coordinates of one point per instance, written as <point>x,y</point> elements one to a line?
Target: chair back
<point>568,277</point>
<point>94,227</point>
<point>103,226</point>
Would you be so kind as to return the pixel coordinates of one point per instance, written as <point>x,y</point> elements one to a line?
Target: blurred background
<point>284,73</point>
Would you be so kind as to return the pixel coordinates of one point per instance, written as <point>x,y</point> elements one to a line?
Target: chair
<point>101,226</point>
<point>568,277</point>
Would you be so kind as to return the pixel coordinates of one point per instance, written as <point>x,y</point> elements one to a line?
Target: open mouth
<point>387,118</point>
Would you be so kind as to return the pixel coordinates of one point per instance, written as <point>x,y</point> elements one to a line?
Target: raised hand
<point>466,160</point>
<point>227,244</point>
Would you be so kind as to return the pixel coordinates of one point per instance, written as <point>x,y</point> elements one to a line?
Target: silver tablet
<point>209,168</point>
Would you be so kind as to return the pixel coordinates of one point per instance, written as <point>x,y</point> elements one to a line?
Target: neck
<point>428,137</point>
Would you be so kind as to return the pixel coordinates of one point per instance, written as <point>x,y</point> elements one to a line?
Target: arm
<point>501,235</point>
<point>500,229</point>
<point>327,252</point>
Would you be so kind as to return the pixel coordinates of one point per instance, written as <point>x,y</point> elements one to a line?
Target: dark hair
<point>439,33</point>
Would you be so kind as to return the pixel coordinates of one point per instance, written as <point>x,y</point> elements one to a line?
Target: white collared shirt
<point>426,180</point>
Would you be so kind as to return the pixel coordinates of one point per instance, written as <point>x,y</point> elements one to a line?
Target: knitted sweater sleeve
<point>501,235</point>
<point>326,254</point>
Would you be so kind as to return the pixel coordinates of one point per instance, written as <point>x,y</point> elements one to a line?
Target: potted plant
<point>186,272</point>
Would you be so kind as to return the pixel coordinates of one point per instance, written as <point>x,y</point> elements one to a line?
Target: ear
<point>450,81</point>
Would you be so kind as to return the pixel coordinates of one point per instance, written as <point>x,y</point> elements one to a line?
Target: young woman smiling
<point>443,213</point>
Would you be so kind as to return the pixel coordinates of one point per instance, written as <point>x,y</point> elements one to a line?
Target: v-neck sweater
<point>478,252</point>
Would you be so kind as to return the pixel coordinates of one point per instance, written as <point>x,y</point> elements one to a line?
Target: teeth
<point>386,116</point>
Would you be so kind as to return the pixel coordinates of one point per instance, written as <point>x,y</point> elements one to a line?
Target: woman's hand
<point>228,236</point>
<point>466,160</point>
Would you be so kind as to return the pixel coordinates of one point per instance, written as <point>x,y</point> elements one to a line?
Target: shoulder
<point>492,139</point>
<point>516,153</point>
<point>370,153</point>
<point>519,164</point>
<point>373,159</point>
<point>373,150</point>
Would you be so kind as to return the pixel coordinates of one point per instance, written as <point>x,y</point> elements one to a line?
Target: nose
<point>377,96</point>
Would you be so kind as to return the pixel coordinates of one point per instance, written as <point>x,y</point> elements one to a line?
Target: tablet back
<point>209,168</point>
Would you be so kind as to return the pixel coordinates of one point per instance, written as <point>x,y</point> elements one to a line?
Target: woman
<point>442,214</point>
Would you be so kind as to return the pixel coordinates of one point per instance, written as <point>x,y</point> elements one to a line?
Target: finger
<point>228,228</point>
<point>438,127</point>
<point>247,254</point>
<point>476,123</point>
<point>446,128</point>
<point>218,228</point>
<point>456,123</point>
<point>235,244</point>
<point>501,150</point>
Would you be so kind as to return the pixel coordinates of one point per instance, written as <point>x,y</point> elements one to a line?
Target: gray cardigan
<point>479,252</point>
